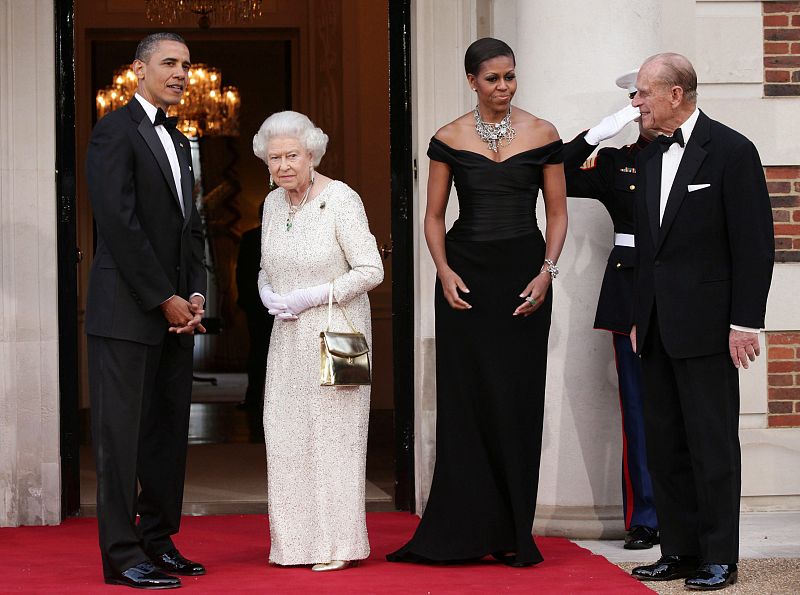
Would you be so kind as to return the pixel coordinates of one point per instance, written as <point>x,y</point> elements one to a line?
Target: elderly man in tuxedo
<point>145,302</point>
<point>706,251</point>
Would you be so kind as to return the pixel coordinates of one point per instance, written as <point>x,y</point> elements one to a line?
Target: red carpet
<point>65,559</point>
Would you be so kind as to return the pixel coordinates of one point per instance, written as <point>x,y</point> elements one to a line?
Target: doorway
<point>319,58</point>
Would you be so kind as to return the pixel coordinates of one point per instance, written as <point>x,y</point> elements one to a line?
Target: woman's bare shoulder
<point>534,127</point>
<point>457,131</point>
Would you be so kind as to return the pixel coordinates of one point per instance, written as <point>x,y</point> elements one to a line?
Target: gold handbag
<point>344,357</point>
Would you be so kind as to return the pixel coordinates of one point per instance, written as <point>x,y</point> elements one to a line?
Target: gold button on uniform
<point>632,187</point>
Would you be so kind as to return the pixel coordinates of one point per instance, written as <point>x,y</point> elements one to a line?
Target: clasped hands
<point>184,317</point>
<point>533,294</point>
<point>287,307</point>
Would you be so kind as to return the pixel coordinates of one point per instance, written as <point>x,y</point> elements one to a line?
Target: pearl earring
<point>271,182</point>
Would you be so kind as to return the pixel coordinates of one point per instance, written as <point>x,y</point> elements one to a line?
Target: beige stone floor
<point>769,548</point>
<point>759,576</point>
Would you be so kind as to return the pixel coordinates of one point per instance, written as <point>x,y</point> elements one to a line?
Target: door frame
<point>401,160</point>
<point>67,259</point>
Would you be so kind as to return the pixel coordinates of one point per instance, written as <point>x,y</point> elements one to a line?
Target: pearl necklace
<point>293,209</point>
<point>495,135</point>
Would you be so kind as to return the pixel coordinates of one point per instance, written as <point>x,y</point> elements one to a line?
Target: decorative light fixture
<point>224,12</point>
<point>206,108</point>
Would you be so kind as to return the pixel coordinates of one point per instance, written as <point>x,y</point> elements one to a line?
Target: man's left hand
<point>197,304</point>
<point>743,346</point>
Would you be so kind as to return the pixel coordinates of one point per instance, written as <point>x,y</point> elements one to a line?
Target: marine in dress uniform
<point>610,177</point>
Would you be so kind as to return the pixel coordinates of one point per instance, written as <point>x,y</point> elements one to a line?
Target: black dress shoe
<point>668,568</point>
<point>641,538</point>
<point>144,576</point>
<point>710,577</point>
<point>177,564</point>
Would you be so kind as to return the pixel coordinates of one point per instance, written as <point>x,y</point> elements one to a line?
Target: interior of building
<point>328,59</point>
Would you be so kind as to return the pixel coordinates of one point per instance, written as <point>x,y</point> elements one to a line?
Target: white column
<point>569,52</point>
<point>441,32</point>
<point>30,488</point>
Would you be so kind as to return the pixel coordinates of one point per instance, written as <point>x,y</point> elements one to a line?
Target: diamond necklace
<point>495,135</point>
<point>293,209</point>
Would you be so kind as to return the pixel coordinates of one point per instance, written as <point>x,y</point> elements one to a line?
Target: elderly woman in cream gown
<point>314,234</point>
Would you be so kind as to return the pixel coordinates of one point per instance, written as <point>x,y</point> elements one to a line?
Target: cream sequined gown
<point>316,436</point>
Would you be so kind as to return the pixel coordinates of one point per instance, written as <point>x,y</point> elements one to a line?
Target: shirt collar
<point>688,126</point>
<point>149,108</point>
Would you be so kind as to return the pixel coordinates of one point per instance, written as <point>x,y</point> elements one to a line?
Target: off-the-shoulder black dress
<point>490,367</point>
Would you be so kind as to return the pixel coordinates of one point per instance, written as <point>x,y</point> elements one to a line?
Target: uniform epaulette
<point>590,163</point>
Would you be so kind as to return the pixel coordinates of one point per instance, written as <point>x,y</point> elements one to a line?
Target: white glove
<point>300,300</point>
<point>611,125</point>
<point>276,304</point>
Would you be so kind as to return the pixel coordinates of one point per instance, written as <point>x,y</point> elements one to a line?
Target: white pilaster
<point>569,52</point>
<point>441,31</point>
<point>30,486</point>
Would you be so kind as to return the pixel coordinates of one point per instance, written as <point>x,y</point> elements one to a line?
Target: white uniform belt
<point>624,239</point>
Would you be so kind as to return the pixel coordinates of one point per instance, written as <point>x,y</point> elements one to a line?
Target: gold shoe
<point>334,565</point>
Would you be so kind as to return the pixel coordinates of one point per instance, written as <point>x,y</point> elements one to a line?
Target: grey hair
<point>676,71</point>
<point>292,125</point>
<point>149,44</point>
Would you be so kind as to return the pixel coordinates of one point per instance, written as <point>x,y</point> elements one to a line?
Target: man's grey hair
<point>291,125</point>
<point>675,70</point>
<point>149,44</point>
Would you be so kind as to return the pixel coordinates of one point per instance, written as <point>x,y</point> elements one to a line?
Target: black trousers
<point>140,397</point>
<point>691,411</point>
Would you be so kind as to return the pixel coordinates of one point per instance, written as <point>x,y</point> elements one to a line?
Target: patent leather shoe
<point>175,563</point>
<point>144,576</point>
<point>668,568</point>
<point>641,538</point>
<point>710,577</point>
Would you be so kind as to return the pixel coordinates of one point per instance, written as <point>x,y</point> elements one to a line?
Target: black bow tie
<point>163,120</point>
<point>666,141</point>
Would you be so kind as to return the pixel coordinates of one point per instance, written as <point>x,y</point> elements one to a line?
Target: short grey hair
<point>149,44</point>
<point>292,125</point>
<point>676,71</point>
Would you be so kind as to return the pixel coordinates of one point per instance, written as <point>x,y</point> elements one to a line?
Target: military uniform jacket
<point>610,178</point>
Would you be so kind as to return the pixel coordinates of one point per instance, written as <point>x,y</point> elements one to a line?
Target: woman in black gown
<point>493,303</point>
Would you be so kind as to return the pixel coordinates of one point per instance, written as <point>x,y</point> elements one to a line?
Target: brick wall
<point>783,379</point>
<point>781,49</point>
<point>783,183</point>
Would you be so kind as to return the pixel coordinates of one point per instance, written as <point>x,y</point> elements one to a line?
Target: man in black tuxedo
<point>145,302</point>
<point>706,250</point>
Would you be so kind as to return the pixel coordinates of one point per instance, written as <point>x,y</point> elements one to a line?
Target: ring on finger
<point>531,300</point>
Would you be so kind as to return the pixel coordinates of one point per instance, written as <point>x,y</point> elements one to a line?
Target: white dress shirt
<point>172,155</point>
<point>169,146</point>
<point>670,161</point>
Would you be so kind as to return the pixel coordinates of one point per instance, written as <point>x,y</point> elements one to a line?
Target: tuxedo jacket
<point>611,179</point>
<point>709,263</point>
<point>146,249</point>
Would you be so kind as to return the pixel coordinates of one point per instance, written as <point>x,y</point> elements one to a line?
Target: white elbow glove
<point>300,300</point>
<point>276,304</point>
<point>612,125</point>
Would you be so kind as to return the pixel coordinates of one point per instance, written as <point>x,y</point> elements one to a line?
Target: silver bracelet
<point>550,268</point>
